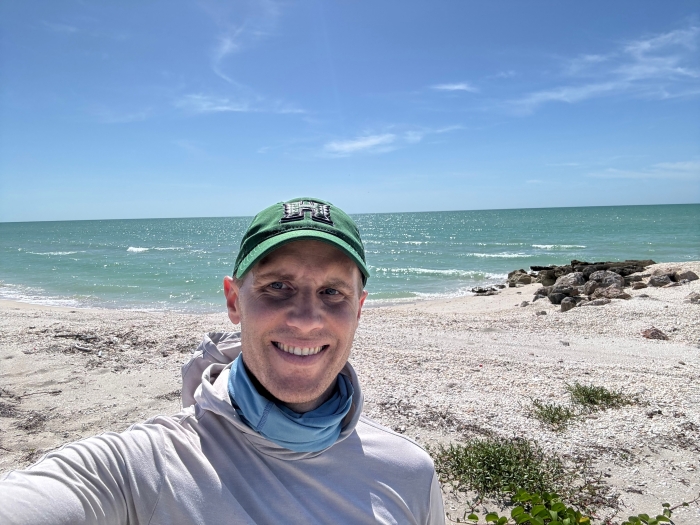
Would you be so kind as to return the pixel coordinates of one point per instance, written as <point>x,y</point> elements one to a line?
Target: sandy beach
<point>438,371</point>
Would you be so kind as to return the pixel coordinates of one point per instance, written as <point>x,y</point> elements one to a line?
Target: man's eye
<point>331,291</point>
<point>277,286</point>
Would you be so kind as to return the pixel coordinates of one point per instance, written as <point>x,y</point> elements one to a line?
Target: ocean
<point>179,264</point>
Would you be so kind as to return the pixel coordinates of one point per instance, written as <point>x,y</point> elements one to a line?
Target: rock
<point>610,292</point>
<point>480,289</point>
<point>583,302</point>
<point>571,279</point>
<point>596,302</point>
<point>544,291</point>
<point>606,278</point>
<point>686,275</point>
<point>659,280</point>
<point>546,276</point>
<point>634,278</point>
<point>562,288</point>
<point>590,287</point>
<point>567,304</point>
<point>541,312</point>
<point>524,303</point>
<point>518,277</point>
<point>654,333</point>
<point>671,285</point>
<point>693,298</point>
<point>556,298</point>
<point>499,286</point>
<point>638,285</point>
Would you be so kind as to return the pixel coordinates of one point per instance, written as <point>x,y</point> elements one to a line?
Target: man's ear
<point>231,292</point>
<point>363,296</point>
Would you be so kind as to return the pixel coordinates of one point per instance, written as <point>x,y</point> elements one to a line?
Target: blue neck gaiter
<point>309,432</point>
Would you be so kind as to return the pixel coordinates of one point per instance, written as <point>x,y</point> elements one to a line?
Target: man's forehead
<point>320,252</point>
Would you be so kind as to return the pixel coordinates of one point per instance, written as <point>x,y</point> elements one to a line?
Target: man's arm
<point>111,478</point>
<point>436,516</point>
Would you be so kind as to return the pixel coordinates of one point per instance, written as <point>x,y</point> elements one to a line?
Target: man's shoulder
<point>385,442</point>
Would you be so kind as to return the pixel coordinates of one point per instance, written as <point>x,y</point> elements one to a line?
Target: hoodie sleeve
<point>436,516</point>
<point>107,479</point>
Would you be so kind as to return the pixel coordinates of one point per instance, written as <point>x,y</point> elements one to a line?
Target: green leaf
<point>666,505</point>
<point>522,518</point>
<point>537,510</point>
<point>663,518</point>
<point>559,507</point>
<point>491,516</point>
<point>473,517</point>
<point>503,520</point>
<point>516,511</point>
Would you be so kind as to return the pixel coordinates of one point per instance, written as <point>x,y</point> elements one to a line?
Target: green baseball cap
<point>295,220</point>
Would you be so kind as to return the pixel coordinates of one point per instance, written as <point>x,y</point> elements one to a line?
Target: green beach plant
<point>592,398</point>
<point>584,399</point>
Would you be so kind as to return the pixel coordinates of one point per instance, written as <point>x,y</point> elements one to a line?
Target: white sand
<point>439,371</point>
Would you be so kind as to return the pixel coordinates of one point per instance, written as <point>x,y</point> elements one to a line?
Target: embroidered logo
<point>296,211</point>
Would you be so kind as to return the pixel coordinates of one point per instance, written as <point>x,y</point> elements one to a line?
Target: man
<point>274,433</point>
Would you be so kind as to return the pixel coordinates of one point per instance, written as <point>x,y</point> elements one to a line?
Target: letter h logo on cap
<point>296,211</point>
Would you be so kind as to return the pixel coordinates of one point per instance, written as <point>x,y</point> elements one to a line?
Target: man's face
<point>303,298</point>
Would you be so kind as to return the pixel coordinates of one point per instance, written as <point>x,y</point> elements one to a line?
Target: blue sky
<point>173,109</point>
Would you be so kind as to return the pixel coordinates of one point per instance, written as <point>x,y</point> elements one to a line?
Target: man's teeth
<point>297,350</point>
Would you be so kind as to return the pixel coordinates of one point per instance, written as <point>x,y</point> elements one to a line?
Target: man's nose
<point>306,312</point>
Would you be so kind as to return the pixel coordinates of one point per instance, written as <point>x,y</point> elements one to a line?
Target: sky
<point>138,109</point>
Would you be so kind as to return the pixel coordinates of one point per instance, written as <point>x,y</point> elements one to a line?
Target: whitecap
<point>52,253</point>
<point>499,255</point>
<point>557,246</point>
<point>134,249</point>
<point>169,248</point>
<point>471,274</point>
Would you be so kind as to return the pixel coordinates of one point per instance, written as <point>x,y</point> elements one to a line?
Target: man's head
<point>298,294</point>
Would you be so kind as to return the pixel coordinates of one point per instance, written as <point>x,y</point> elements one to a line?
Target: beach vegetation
<point>592,398</point>
<point>552,414</point>
<point>529,485</point>
<point>491,466</point>
<point>583,399</point>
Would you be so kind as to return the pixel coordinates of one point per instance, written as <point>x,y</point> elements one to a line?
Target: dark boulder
<point>571,279</point>
<point>607,278</point>
<point>567,304</point>
<point>686,275</point>
<point>590,287</point>
<point>659,280</point>
<point>654,333</point>
<point>556,298</point>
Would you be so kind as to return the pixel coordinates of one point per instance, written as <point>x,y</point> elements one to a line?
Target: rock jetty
<point>593,284</point>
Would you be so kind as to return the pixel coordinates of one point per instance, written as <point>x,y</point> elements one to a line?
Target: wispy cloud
<point>242,24</point>
<point>660,66</point>
<point>382,142</point>
<point>365,143</point>
<point>685,170</point>
<point>201,103</point>
<point>459,86</point>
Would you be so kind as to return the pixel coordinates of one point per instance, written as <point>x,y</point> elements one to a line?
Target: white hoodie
<point>204,465</point>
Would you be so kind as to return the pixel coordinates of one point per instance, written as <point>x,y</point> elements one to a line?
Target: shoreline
<point>439,371</point>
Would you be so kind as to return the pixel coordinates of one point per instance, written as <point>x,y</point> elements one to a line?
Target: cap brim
<point>267,246</point>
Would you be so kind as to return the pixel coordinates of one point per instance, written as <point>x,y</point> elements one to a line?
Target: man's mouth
<point>297,350</point>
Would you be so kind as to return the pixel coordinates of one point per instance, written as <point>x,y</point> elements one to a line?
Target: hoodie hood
<point>216,353</point>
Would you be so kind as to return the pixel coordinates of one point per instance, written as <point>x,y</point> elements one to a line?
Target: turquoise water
<point>179,264</point>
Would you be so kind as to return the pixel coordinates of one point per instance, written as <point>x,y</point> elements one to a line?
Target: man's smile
<point>297,350</point>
